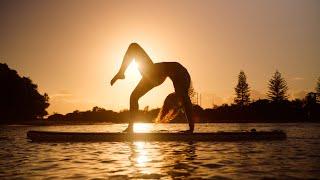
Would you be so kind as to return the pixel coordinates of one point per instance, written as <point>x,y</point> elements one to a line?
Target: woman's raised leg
<point>136,52</point>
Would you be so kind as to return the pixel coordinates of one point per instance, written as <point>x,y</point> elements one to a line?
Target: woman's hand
<point>186,131</point>
<point>116,77</point>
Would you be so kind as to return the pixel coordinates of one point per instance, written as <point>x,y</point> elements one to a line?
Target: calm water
<point>296,157</point>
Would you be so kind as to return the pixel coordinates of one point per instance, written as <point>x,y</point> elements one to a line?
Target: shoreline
<point>39,123</point>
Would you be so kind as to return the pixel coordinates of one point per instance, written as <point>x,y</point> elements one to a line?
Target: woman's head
<point>170,109</point>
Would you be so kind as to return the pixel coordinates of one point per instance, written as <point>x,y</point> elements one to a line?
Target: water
<point>296,157</point>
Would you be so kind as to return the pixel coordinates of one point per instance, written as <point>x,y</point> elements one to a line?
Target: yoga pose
<point>154,74</point>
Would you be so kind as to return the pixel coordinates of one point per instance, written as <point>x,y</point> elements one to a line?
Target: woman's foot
<point>128,130</point>
<point>116,77</point>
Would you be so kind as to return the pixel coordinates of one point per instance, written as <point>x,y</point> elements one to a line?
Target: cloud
<point>298,78</point>
<point>63,94</point>
<point>60,95</point>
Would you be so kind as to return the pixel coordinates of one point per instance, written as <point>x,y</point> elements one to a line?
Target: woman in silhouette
<point>154,74</point>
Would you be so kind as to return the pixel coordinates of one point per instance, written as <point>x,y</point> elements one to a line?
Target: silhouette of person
<point>154,74</point>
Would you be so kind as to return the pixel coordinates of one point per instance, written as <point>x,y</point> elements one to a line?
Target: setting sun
<point>162,89</point>
<point>132,72</point>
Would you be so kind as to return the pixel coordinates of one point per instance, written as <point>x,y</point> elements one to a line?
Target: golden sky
<point>72,49</point>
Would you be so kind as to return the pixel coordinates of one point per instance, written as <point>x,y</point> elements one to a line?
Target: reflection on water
<point>297,157</point>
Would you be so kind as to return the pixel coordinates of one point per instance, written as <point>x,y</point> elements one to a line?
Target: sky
<point>71,49</point>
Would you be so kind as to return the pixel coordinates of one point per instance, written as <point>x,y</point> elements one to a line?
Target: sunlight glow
<point>132,71</point>
<point>142,157</point>
<point>142,127</point>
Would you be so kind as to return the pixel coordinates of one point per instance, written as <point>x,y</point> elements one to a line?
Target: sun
<point>132,71</point>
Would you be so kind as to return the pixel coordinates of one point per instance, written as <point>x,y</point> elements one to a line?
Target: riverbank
<point>66,123</point>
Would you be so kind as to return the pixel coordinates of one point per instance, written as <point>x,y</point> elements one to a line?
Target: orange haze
<point>72,49</point>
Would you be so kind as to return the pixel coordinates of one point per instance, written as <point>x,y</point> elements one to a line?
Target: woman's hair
<point>172,105</point>
<point>170,109</point>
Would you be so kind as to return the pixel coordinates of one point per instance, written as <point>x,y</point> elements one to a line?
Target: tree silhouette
<point>242,90</point>
<point>277,88</point>
<point>20,99</point>
<point>318,90</point>
<point>191,91</point>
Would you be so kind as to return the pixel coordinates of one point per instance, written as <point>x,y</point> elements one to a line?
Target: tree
<point>191,91</point>
<point>19,97</point>
<point>98,109</point>
<point>318,90</point>
<point>311,105</point>
<point>277,88</point>
<point>242,90</point>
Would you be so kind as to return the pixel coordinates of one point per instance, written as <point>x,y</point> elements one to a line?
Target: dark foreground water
<point>296,157</point>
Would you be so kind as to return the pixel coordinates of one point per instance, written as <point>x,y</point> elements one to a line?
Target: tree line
<point>277,108</point>
<point>21,102</point>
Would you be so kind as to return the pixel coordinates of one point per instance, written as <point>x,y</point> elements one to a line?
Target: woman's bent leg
<point>142,88</point>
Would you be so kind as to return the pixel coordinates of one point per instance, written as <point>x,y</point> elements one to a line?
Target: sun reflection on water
<point>142,156</point>
<point>160,160</point>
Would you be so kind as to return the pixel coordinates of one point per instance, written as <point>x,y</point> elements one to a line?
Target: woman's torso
<point>174,70</point>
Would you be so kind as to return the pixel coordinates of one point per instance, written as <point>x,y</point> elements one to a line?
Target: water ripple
<point>297,157</point>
